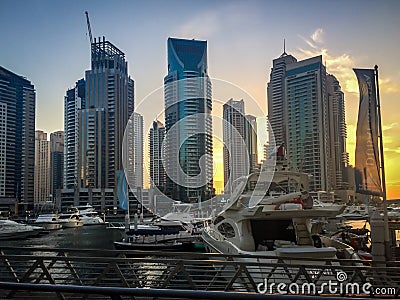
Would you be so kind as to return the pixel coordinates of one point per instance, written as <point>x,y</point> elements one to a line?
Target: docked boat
<point>273,220</point>
<point>12,230</point>
<point>157,240</point>
<point>354,212</point>
<point>70,220</point>
<point>161,235</point>
<point>48,221</point>
<point>87,214</point>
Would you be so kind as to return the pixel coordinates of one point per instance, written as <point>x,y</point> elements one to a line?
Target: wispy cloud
<point>317,36</point>
<point>390,126</point>
<point>340,65</point>
<point>203,25</point>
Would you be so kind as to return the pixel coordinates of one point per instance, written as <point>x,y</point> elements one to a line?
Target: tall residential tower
<point>74,101</point>
<point>156,139</point>
<point>109,105</point>
<point>236,161</point>
<point>42,168</point>
<point>188,122</point>
<point>56,161</point>
<point>276,97</point>
<point>17,137</point>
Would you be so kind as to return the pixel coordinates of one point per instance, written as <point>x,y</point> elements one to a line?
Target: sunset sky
<point>47,42</point>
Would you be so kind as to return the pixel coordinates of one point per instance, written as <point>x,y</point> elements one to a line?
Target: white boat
<point>273,222</point>
<point>354,212</point>
<point>12,230</point>
<point>87,214</point>
<point>70,220</point>
<point>48,221</point>
<point>393,213</point>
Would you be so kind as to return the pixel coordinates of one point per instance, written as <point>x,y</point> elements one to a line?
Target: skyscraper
<point>134,164</point>
<point>337,133</point>
<point>56,161</point>
<point>276,96</point>
<point>236,159</point>
<point>156,138</point>
<point>306,117</point>
<point>17,137</point>
<point>251,141</point>
<point>109,104</point>
<point>74,101</point>
<point>42,167</point>
<point>188,122</point>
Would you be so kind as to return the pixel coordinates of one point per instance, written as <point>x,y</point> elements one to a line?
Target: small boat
<point>158,240</point>
<point>353,212</point>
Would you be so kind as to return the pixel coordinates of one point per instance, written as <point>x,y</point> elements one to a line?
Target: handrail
<point>195,255</point>
<point>165,293</point>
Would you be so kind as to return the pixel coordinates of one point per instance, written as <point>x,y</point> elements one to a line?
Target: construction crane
<point>88,26</point>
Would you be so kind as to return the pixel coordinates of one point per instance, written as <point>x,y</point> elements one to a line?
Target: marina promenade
<point>50,273</point>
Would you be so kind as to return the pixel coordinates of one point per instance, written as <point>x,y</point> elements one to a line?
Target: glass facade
<point>109,105</point>
<point>188,105</point>
<point>17,137</point>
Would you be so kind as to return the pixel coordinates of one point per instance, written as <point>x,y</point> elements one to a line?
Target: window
<point>226,230</point>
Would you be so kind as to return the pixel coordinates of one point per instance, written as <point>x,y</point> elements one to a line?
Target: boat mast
<point>384,203</point>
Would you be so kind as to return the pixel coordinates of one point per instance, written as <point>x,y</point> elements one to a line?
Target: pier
<point>49,273</point>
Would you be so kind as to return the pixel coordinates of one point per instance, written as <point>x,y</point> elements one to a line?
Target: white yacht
<point>12,230</point>
<point>356,212</point>
<point>70,220</point>
<point>87,214</point>
<point>273,220</point>
<point>48,221</point>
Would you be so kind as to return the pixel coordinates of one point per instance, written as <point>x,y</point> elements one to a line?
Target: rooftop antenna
<point>284,48</point>
<point>88,26</point>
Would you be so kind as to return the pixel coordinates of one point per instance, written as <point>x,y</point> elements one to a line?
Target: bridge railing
<point>189,271</point>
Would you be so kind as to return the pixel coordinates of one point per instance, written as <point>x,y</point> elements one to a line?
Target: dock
<point>46,273</point>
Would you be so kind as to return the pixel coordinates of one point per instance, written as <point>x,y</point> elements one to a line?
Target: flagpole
<point>385,213</point>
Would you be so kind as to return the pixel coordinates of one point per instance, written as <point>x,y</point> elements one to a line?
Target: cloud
<point>203,25</point>
<point>386,85</point>
<point>317,36</point>
<point>340,65</point>
<point>390,126</point>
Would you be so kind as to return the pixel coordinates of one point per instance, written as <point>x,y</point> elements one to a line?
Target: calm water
<point>85,237</point>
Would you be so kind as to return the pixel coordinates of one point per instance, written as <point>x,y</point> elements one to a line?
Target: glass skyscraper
<point>109,104</point>
<point>188,123</point>
<point>56,161</point>
<point>156,138</point>
<point>276,97</point>
<point>74,102</point>
<point>17,138</point>
<point>307,120</point>
<point>235,148</point>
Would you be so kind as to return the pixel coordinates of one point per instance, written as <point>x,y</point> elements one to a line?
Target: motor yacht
<point>273,220</point>
<point>48,221</point>
<point>87,214</point>
<point>70,220</point>
<point>12,230</point>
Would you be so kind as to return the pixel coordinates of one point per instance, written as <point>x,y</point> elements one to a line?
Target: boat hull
<point>154,247</point>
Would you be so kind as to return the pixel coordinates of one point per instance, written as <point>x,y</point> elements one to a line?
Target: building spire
<point>284,48</point>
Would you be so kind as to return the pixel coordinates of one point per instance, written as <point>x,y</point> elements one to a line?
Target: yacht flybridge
<point>273,219</point>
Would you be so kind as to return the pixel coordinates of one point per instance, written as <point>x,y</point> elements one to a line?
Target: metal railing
<point>197,272</point>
